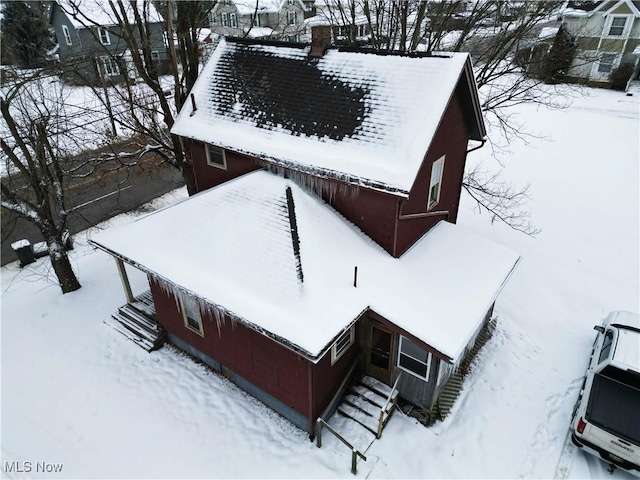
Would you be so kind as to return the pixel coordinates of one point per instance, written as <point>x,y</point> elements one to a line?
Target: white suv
<point>606,420</point>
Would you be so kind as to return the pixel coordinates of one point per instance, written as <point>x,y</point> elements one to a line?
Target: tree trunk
<point>189,177</point>
<point>61,265</point>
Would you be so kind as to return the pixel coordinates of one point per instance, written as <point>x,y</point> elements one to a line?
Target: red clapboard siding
<point>208,176</point>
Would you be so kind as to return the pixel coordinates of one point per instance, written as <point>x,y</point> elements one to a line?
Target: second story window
<point>290,2</point>
<point>233,20</point>
<point>292,18</point>
<point>216,157</point>
<point>67,35</point>
<point>435,183</point>
<point>256,21</point>
<point>104,36</point>
<point>617,26</point>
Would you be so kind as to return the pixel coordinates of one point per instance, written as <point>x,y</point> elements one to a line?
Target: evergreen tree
<point>26,35</point>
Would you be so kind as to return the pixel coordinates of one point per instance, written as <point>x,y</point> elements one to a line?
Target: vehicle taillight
<point>581,425</point>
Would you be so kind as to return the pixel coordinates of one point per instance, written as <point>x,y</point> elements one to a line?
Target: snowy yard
<point>77,393</point>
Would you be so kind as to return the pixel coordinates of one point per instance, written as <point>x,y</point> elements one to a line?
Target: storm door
<point>379,351</point>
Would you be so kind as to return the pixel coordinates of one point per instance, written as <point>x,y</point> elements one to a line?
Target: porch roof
<point>280,260</point>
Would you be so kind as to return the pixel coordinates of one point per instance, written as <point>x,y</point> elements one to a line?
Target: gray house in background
<point>90,45</point>
<point>263,19</point>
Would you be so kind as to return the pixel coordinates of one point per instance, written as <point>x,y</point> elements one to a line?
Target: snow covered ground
<point>77,393</point>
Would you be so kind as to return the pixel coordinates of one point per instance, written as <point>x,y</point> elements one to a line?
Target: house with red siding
<point>321,248</point>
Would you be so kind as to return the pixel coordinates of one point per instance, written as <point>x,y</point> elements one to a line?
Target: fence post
<point>354,458</point>
<point>319,434</point>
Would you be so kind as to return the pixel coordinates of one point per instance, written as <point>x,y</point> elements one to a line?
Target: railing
<point>386,404</point>
<point>320,424</point>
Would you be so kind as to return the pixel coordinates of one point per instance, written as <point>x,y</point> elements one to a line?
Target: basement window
<point>216,157</point>
<point>342,344</point>
<point>191,315</point>
<point>413,359</point>
<point>435,184</point>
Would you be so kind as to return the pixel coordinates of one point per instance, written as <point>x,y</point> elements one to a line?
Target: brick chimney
<point>320,40</point>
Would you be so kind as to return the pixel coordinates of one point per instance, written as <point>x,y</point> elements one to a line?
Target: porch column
<point>125,279</point>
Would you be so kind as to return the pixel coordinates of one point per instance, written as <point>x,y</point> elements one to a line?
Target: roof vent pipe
<point>193,105</point>
<point>320,40</point>
<point>355,276</point>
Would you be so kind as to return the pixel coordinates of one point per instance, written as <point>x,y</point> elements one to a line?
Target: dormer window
<point>216,157</point>
<point>292,18</point>
<point>617,26</point>
<point>435,183</point>
<point>104,36</point>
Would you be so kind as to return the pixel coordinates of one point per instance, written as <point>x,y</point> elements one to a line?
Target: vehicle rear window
<point>613,406</point>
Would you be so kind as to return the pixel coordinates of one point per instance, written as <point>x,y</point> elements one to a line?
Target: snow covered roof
<point>233,247</point>
<point>249,7</point>
<point>83,13</point>
<point>548,32</point>
<point>627,350</point>
<point>364,118</point>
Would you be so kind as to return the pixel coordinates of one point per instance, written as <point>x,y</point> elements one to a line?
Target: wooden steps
<point>363,404</point>
<point>136,321</point>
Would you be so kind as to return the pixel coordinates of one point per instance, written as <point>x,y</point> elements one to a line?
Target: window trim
<point>113,63</point>
<point>431,203</point>
<point>198,320</point>
<point>233,20</point>
<point>67,35</point>
<point>625,28</point>
<point>292,15</point>
<point>405,369</point>
<point>613,57</point>
<point>155,55</point>
<point>224,19</point>
<point>335,354</point>
<point>213,164</point>
<point>106,39</point>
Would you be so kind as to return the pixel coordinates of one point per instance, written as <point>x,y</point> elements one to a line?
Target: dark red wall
<point>450,140</point>
<point>265,363</point>
<point>374,212</point>
<point>268,365</point>
<point>327,378</point>
<point>208,176</point>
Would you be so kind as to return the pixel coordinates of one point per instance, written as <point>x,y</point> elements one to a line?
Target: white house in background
<point>265,19</point>
<point>607,34</point>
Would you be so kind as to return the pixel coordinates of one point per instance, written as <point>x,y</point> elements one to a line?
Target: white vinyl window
<point>104,36</point>
<point>216,157</point>
<point>109,67</point>
<point>292,18</point>
<point>224,18</point>
<point>413,359</point>
<point>233,20</point>
<point>191,315</point>
<point>617,26</point>
<point>67,35</point>
<point>606,62</point>
<point>342,344</point>
<point>435,183</point>
<point>155,55</point>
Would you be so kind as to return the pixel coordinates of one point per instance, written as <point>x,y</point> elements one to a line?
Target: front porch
<point>136,320</point>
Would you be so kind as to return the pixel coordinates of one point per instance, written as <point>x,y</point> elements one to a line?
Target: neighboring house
<point>263,19</point>
<point>322,244</point>
<point>607,33</point>
<point>90,45</point>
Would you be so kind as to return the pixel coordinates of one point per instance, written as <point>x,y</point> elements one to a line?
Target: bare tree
<point>36,146</point>
<point>151,111</point>
<point>492,32</point>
